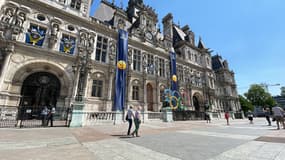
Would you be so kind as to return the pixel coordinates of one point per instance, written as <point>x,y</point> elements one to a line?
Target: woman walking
<point>137,120</point>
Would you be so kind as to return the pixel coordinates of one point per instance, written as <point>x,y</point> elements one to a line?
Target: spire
<point>201,44</point>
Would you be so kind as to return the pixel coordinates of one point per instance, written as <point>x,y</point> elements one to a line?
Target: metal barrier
<point>188,115</point>
<point>154,115</point>
<point>30,117</point>
<point>93,118</point>
<point>8,116</point>
<point>215,115</point>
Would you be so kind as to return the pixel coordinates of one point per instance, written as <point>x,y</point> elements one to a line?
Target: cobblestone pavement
<point>190,140</point>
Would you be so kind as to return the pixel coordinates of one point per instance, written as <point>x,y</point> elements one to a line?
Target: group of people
<point>278,116</point>
<point>47,116</point>
<point>133,115</point>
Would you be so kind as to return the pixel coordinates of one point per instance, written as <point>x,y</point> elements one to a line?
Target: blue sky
<point>250,34</point>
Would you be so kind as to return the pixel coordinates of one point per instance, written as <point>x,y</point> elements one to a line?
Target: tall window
<point>161,67</point>
<point>137,60</point>
<point>97,88</point>
<point>101,49</point>
<point>150,64</point>
<point>135,93</point>
<point>75,4</point>
<point>180,73</point>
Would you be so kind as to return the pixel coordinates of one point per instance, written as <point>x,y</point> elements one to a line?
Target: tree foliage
<point>258,97</point>
<point>245,104</point>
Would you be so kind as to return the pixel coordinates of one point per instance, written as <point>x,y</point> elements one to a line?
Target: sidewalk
<point>178,140</point>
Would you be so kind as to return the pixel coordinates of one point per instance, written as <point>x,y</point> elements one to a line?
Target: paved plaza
<point>189,140</point>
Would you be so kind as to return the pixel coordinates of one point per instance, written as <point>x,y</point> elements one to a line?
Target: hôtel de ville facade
<point>52,52</point>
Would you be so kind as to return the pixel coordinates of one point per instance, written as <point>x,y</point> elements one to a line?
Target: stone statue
<point>54,29</point>
<point>91,41</point>
<point>83,38</point>
<point>7,17</point>
<point>20,19</point>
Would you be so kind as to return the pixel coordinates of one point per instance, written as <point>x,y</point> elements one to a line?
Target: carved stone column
<point>6,53</point>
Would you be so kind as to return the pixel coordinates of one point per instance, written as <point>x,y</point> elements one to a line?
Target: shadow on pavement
<point>122,136</point>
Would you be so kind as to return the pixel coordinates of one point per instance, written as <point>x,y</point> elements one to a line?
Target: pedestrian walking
<point>51,116</point>
<point>68,116</point>
<point>278,114</point>
<point>208,118</point>
<point>129,118</point>
<point>227,116</point>
<point>267,116</point>
<point>44,114</point>
<point>137,120</point>
<point>250,117</point>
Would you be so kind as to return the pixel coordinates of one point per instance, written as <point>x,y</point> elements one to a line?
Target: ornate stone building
<point>53,53</point>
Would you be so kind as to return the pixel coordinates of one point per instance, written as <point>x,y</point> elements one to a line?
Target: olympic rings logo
<point>173,98</point>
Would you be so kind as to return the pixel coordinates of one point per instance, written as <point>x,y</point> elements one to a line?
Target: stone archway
<point>149,97</point>
<point>40,89</point>
<point>198,104</point>
<point>63,75</point>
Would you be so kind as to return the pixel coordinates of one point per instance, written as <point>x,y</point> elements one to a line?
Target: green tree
<point>258,97</point>
<point>245,104</point>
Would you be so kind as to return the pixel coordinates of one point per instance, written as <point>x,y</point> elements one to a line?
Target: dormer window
<point>76,4</point>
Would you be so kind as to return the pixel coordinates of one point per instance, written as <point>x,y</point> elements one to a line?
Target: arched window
<point>76,4</point>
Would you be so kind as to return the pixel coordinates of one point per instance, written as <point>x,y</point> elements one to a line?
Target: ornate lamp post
<point>81,70</point>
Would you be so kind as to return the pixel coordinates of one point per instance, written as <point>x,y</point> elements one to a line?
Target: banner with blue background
<point>120,81</point>
<point>174,85</point>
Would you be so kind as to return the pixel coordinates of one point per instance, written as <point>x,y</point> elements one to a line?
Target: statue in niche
<point>121,24</point>
<point>130,57</point>
<point>54,33</point>
<point>54,29</point>
<point>91,41</point>
<point>20,19</point>
<point>7,17</point>
<point>83,38</point>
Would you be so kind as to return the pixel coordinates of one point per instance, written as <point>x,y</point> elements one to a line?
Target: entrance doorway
<point>39,90</point>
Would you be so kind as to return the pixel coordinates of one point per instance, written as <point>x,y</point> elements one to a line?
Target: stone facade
<point>57,40</point>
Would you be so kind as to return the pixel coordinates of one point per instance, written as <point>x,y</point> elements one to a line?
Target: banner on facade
<point>120,81</point>
<point>173,77</point>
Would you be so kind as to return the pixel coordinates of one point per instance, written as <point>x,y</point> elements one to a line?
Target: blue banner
<point>173,74</point>
<point>122,60</point>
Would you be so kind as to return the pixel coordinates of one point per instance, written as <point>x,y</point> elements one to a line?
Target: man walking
<point>51,116</point>
<point>129,118</point>
<point>278,114</point>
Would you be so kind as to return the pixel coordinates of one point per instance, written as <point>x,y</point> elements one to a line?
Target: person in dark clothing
<point>44,116</point>
<point>129,118</point>
<point>51,116</point>
<point>267,116</point>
